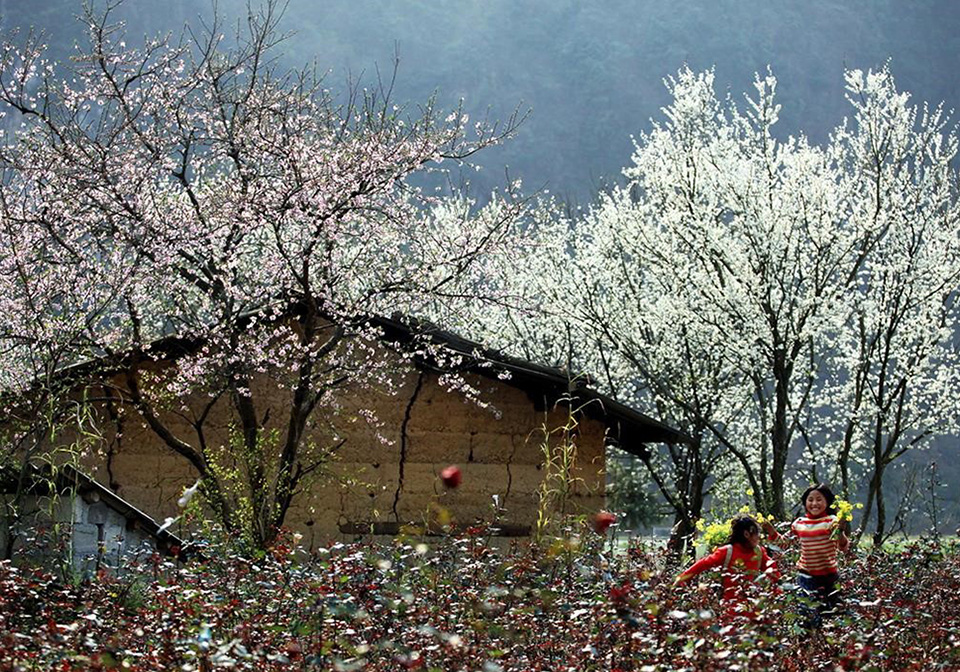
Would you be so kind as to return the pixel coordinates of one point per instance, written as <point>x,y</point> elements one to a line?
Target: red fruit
<point>620,593</point>
<point>603,520</point>
<point>451,476</point>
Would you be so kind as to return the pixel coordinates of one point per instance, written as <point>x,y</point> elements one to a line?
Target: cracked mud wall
<point>385,474</point>
<point>429,428</point>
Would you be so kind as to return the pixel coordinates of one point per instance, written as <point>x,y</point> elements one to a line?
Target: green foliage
<point>558,446</point>
<point>629,493</point>
<point>246,474</point>
<point>42,434</point>
<point>456,603</point>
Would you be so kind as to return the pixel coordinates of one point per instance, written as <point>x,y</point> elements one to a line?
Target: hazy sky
<point>591,72</point>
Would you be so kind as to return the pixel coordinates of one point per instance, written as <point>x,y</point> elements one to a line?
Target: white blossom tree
<point>790,306</point>
<point>747,231</point>
<point>896,364</point>
<point>191,199</point>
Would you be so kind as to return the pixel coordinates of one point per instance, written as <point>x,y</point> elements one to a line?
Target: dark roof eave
<point>68,476</point>
<point>628,429</point>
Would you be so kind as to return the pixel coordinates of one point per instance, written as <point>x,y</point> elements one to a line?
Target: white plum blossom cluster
<point>768,295</point>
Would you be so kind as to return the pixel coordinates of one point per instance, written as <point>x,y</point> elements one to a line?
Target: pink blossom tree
<point>189,198</point>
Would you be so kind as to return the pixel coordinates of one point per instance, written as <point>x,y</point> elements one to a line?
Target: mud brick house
<point>380,480</point>
<point>82,521</point>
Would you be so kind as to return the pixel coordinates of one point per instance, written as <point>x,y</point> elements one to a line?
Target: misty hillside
<point>591,73</point>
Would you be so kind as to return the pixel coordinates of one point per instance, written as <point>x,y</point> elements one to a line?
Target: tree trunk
<point>867,510</point>
<point>680,544</point>
<point>781,441</point>
<point>877,485</point>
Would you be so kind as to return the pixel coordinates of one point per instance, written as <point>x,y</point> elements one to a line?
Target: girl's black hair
<point>824,490</point>
<point>739,527</point>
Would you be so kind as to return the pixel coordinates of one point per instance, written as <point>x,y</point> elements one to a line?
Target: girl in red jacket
<point>744,565</point>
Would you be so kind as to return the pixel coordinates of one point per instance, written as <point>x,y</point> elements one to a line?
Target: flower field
<point>457,604</point>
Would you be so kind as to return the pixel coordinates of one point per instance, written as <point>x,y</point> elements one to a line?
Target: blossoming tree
<point>190,198</point>
<point>896,365</point>
<point>790,306</point>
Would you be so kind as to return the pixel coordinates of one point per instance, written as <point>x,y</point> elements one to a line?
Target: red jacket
<point>741,574</point>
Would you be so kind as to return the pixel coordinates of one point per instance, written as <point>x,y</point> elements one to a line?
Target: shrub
<point>457,604</point>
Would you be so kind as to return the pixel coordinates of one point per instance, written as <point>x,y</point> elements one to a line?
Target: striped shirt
<point>818,550</point>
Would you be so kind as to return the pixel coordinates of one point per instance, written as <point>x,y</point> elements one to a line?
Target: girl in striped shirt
<point>821,538</point>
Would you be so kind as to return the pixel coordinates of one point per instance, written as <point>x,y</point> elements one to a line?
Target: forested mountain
<point>591,73</point>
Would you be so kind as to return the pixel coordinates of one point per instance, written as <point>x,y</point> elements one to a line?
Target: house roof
<point>67,477</point>
<point>627,428</point>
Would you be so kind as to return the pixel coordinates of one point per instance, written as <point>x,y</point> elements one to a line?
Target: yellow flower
<point>715,534</point>
<point>844,509</point>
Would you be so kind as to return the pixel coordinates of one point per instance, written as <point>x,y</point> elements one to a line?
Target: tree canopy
<point>191,189</point>
<point>790,305</point>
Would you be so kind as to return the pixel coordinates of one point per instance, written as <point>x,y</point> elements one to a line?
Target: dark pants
<point>823,596</point>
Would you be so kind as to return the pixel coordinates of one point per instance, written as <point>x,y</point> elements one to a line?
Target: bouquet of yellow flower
<point>717,532</point>
<point>713,534</point>
<point>845,509</point>
<point>844,514</point>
